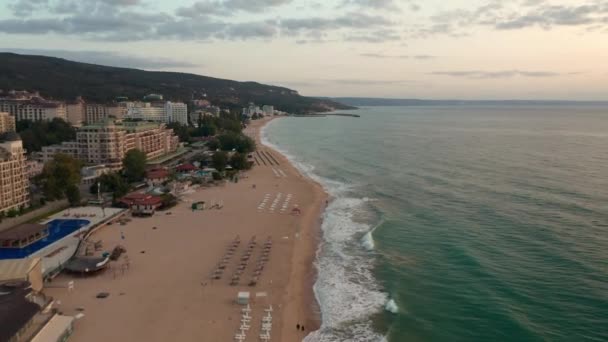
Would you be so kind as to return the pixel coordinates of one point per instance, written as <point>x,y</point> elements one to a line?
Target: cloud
<point>28,7</point>
<point>549,16</point>
<point>476,74</point>
<point>415,57</point>
<point>373,4</point>
<point>107,58</point>
<point>501,15</point>
<point>227,7</point>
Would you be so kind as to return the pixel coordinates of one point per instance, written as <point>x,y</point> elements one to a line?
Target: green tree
<point>37,134</point>
<point>213,144</point>
<point>59,174</point>
<point>134,165</point>
<point>73,194</point>
<point>220,160</point>
<point>182,131</point>
<point>239,161</point>
<point>111,182</point>
<point>12,213</point>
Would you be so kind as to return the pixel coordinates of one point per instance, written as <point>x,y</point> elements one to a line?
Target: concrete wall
<point>48,208</point>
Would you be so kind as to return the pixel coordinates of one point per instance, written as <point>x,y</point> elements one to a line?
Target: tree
<point>220,160</point>
<point>134,165</point>
<point>239,161</point>
<point>37,134</point>
<point>59,174</point>
<point>12,213</point>
<point>213,144</point>
<point>111,182</point>
<point>236,141</point>
<point>73,194</point>
<point>182,131</point>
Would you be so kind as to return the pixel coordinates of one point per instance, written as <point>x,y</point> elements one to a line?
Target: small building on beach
<point>142,204</point>
<point>157,176</point>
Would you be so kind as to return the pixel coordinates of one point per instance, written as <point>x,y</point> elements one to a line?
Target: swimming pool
<point>58,229</point>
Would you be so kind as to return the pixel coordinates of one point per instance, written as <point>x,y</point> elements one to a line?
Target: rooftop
<point>15,310</point>
<point>16,269</point>
<point>22,231</point>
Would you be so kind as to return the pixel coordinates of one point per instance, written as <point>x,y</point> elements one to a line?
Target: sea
<point>459,223</point>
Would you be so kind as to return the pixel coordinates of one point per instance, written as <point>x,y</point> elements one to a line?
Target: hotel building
<point>7,123</point>
<point>26,106</point>
<point>107,143</point>
<point>14,184</point>
<point>159,112</point>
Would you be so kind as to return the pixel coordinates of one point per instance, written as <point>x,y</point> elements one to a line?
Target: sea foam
<point>346,290</point>
<point>391,306</point>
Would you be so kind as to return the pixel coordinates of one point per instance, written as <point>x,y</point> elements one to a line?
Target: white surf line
<point>262,205</point>
<point>276,201</point>
<point>286,203</point>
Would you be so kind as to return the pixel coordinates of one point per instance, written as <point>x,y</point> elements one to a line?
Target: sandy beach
<point>167,293</point>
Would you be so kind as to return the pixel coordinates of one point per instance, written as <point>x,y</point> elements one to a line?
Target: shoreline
<point>300,299</point>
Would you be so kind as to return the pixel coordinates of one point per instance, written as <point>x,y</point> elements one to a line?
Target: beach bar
<point>23,236</point>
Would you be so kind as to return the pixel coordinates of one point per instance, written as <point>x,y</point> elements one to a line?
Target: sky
<point>431,49</point>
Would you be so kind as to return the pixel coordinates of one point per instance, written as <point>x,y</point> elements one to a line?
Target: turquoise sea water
<point>478,223</point>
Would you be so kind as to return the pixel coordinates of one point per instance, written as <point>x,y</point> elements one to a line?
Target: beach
<point>166,291</point>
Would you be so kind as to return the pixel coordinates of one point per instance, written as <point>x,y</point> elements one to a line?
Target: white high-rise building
<point>177,112</point>
<point>159,112</point>
<point>148,112</point>
<point>268,110</point>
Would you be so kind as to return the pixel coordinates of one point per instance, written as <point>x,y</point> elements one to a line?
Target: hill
<point>61,79</point>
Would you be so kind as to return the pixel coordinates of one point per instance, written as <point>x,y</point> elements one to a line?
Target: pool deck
<point>56,254</point>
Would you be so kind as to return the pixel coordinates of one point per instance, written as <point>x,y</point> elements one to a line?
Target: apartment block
<point>158,112</point>
<point>107,143</point>
<point>14,183</point>
<point>7,123</point>
<point>26,106</point>
<point>96,113</point>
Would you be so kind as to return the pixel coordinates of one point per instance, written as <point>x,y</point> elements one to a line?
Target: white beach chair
<point>269,310</point>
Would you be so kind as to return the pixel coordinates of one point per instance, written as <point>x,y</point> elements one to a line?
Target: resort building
<point>96,113</point>
<point>157,177</point>
<point>14,184</point>
<point>148,112</point>
<point>69,148</point>
<point>268,110</point>
<point>33,168</point>
<point>75,112</point>
<point>107,143</point>
<point>177,112</point>
<point>141,204</point>
<point>20,237</point>
<point>90,174</point>
<point>158,112</point>
<point>7,123</point>
<point>31,106</point>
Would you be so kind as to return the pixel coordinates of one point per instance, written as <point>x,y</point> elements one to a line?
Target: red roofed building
<point>141,204</point>
<point>185,168</point>
<point>157,176</point>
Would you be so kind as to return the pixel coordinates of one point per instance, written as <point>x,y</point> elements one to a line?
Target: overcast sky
<point>436,49</point>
